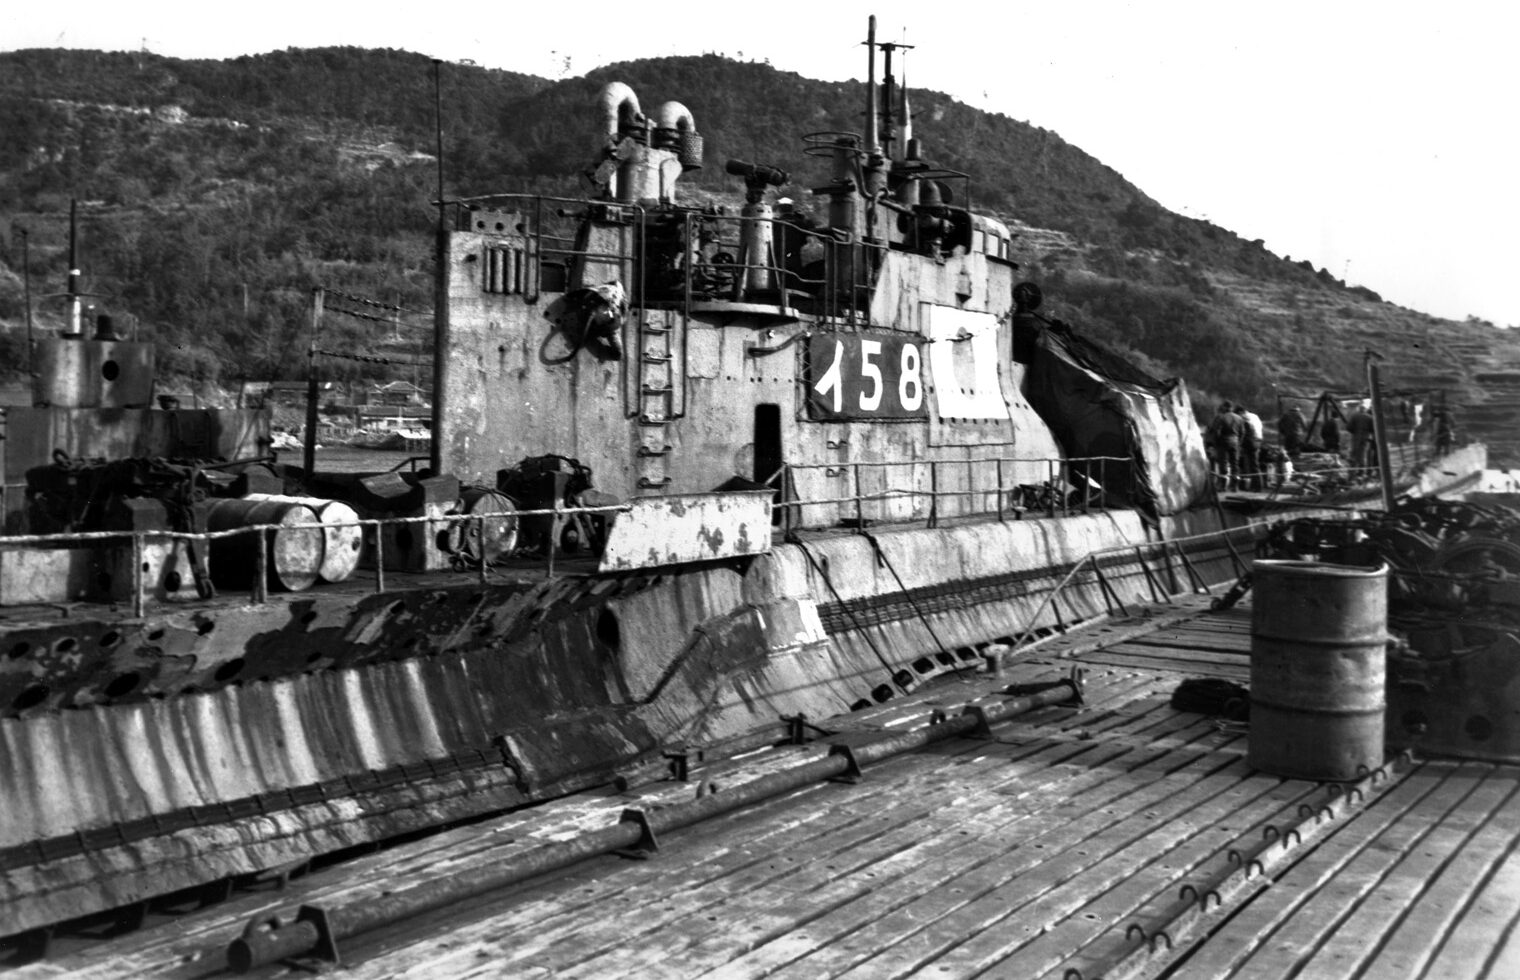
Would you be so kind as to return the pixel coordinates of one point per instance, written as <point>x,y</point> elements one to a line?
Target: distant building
<point>371,415</point>
<point>294,392</point>
<point>397,393</point>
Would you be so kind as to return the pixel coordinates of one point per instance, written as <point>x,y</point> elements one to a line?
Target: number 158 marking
<point>868,383</point>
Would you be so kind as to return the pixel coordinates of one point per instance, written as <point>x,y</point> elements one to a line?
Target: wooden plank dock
<point>1120,837</point>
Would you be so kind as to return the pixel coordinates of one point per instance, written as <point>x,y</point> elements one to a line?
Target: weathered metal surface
<point>1107,840</point>
<point>87,373</point>
<point>494,534</point>
<point>32,435</point>
<point>691,527</point>
<point>1464,703</point>
<point>693,660</point>
<point>1317,668</point>
<point>247,751</point>
<point>294,552</point>
<point>342,537</point>
<point>34,575</point>
<point>1453,604</point>
<point>261,944</point>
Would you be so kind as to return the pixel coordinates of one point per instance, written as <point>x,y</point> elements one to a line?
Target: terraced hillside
<point>1313,341</point>
<point>215,195</point>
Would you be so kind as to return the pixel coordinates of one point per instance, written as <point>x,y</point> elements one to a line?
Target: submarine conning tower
<point>103,371</point>
<point>92,409</point>
<point>850,344</point>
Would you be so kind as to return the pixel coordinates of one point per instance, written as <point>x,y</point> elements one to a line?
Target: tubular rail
<point>1047,496</point>
<point>259,587</point>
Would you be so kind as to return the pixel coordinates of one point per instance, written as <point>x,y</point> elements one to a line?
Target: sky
<point>1377,140</point>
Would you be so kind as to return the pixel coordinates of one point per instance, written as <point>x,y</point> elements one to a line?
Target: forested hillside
<point>217,193</point>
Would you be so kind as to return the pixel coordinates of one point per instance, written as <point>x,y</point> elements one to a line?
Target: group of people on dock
<point>1242,460</point>
<point>1233,441</point>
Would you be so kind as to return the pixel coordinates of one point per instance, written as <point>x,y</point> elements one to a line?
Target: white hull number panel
<point>963,364</point>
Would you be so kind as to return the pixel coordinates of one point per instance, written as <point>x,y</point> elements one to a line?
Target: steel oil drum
<point>1318,636</point>
<point>294,553</point>
<point>342,537</point>
<point>494,534</point>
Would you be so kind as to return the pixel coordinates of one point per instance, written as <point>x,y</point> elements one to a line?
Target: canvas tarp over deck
<point>1098,404</point>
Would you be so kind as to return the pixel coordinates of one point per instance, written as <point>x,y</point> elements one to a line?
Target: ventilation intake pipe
<point>620,109</point>
<point>675,129</point>
<point>625,134</point>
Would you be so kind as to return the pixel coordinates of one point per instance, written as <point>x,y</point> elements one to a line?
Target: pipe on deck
<point>317,930</point>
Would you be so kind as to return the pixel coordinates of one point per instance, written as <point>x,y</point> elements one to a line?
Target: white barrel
<point>294,553</point>
<point>341,545</point>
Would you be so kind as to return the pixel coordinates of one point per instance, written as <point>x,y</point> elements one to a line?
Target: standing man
<point>1446,431</point>
<point>1250,448</point>
<point>1330,434</point>
<point>1225,435</point>
<point>1291,430</point>
<point>1361,428</point>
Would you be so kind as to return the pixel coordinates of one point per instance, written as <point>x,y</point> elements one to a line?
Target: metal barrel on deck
<point>1318,638</point>
<point>342,537</point>
<point>494,534</point>
<point>294,553</point>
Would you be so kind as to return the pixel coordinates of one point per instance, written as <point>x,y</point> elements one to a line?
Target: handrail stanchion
<point>860,515</point>
<point>481,536</point>
<point>1156,595</point>
<point>261,568</point>
<point>1103,483</point>
<point>933,494</point>
<point>1087,485</point>
<point>138,601</point>
<point>970,506</point>
<point>553,535</point>
<point>1000,488</point>
<point>788,519</point>
<point>1047,601</point>
<point>1050,482</point>
<point>379,555</point>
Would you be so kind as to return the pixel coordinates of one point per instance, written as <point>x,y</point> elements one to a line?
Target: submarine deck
<point>1059,846</point>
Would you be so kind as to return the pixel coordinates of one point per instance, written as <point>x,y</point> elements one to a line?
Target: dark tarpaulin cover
<point>1099,404</point>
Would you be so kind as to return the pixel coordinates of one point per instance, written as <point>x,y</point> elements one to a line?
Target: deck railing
<point>1155,561</point>
<point>1067,489</point>
<point>1004,484</point>
<point>703,258</point>
<point>258,590</point>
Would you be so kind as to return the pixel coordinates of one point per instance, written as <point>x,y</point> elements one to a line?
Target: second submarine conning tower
<point>642,156</point>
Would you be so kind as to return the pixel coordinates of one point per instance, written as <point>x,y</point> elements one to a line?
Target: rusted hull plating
<point>242,747</point>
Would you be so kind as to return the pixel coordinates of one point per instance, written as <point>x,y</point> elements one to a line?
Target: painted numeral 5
<point>868,349</point>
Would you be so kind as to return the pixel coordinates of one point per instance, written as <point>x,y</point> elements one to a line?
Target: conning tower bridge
<point>676,347</point>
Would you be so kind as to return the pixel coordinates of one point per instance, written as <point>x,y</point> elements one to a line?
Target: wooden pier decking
<point>1117,838</point>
